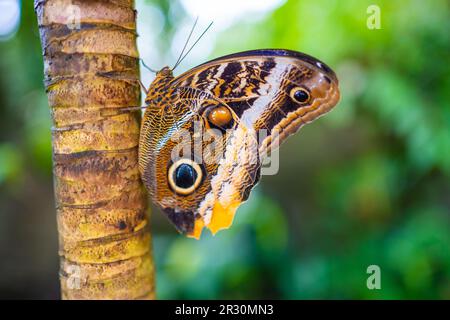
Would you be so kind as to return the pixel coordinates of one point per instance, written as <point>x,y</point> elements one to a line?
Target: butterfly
<point>201,143</point>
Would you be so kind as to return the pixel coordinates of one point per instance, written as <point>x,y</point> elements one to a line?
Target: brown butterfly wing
<point>258,87</point>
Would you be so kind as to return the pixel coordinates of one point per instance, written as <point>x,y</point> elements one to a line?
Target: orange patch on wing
<point>198,227</point>
<point>222,217</point>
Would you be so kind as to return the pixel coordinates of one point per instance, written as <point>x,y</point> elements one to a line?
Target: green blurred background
<point>367,184</point>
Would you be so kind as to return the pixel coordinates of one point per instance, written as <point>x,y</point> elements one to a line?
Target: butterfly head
<point>159,84</point>
<point>165,72</point>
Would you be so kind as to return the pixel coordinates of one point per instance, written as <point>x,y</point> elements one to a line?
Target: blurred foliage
<point>367,184</point>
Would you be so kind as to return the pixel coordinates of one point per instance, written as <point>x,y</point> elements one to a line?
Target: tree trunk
<point>92,70</point>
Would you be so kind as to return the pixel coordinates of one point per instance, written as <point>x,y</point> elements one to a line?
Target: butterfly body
<point>204,133</point>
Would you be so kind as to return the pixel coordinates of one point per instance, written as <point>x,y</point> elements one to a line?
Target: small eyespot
<point>300,95</point>
<point>184,176</point>
<point>220,117</point>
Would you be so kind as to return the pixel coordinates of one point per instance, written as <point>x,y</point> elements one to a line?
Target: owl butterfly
<point>201,140</point>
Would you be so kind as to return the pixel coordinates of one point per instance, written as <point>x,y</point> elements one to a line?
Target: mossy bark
<point>91,71</point>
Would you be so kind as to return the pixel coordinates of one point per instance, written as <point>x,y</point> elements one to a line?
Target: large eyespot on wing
<point>205,193</point>
<point>184,176</point>
<point>176,176</point>
<point>173,180</point>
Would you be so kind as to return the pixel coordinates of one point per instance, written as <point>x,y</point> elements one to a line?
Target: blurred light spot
<point>224,13</point>
<point>9,18</point>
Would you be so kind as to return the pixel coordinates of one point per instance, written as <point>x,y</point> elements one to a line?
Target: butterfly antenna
<point>186,43</point>
<point>192,47</point>
<point>147,67</point>
<point>142,86</point>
